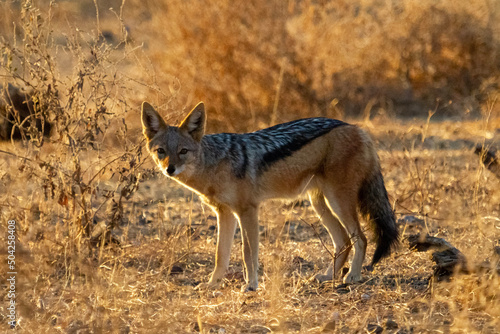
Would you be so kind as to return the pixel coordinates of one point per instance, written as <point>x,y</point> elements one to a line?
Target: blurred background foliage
<point>278,60</point>
<point>260,62</point>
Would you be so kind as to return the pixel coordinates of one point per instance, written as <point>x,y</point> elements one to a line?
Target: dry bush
<point>256,62</point>
<point>404,57</point>
<point>89,144</point>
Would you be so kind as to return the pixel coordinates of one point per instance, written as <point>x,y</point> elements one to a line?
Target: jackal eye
<point>160,151</point>
<point>183,151</point>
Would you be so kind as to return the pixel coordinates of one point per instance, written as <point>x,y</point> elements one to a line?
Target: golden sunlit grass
<point>107,244</point>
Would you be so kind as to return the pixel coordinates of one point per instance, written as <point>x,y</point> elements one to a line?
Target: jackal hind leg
<point>337,233</point>
<point>249,225</point>
<point>343,204</point>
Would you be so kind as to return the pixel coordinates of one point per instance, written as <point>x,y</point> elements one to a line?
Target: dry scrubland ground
<point>167,244</point>
<point>106,244</point>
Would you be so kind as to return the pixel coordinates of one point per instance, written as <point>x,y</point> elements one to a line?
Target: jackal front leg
<point>226,226</point>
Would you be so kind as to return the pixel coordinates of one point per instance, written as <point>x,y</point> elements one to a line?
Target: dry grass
<point>105,244</point>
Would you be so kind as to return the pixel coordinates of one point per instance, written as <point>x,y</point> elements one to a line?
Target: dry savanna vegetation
<point>104,243</point>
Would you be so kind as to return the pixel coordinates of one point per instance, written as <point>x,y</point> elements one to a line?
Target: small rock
<point>298,260</point>
<point>446,262</point>
<point>176,270</point>
<point>411,221</point>
<point>373,328</point>
<point>424,242</point>
<point>391,324</point>
<point>216,330</point>
<point>274,324</point>
<point>329,327</point>
<point>342,288</point>
<point>496,250</point>
<point>258,329</point>
<point>365,296</point>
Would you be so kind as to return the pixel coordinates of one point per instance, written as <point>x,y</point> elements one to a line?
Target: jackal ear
<point>152,122</point>
<point>194,123</point>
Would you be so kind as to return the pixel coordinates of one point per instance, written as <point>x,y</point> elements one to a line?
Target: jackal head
<point>175,149</point>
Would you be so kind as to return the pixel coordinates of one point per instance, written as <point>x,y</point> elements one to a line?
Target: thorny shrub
<point>87,116</point>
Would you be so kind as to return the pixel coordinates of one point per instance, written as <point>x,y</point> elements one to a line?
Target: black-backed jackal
<point>335,163</point>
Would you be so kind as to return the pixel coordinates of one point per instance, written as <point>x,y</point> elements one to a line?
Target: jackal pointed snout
<point>170,170</point>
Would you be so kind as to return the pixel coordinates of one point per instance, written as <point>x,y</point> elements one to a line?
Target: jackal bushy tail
<point>375,207</point>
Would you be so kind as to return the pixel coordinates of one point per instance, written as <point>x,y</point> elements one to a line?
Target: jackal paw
<point>321,278</point>
<point>352,278</point>
<point>249,287</point>
<point>207,286</point>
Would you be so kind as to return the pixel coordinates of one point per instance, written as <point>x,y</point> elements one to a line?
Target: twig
<point>346,247</point>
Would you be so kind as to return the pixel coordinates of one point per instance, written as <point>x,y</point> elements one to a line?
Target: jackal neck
<point>199,175</point>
